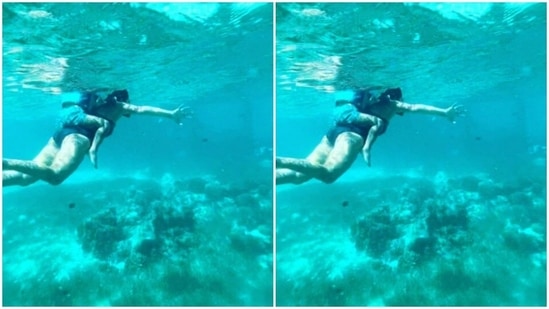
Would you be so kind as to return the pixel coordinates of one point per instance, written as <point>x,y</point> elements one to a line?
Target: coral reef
<point>470,240</point>
<point>375,231</point>
<point>101,233</point>
<point>132,242</point>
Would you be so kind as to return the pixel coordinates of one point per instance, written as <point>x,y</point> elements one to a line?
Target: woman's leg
<point>318,155</point>
<point>284,176</point>
<point>342,156</point>
<point>67,159</point>
<point>13,178</point>
<point>45,157</point>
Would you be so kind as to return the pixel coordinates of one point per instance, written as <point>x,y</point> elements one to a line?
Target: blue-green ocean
<point>448,214</point>
<point>174,215</point>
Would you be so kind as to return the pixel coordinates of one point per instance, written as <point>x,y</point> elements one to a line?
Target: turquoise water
<point>175,215</point>
<point>448,214</point>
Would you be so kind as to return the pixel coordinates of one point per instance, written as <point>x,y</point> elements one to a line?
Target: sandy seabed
<point>138,242</point>
<point>413,241</point>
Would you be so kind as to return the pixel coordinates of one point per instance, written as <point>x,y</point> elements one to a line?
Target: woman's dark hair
<point>394,93</point>
<point>118,95</point>
<point>378,94</point>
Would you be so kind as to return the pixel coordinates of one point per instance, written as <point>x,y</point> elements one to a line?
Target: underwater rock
<point>101,233</point>
<point>173,222</point>
<point>149,247</point>
<point>453,276</point>
<point>185,241</point>
<point>441,182</point>
<point>521,198</point>
<point>489,189</point>
<point>447,230</point>
<point>423,245</point>
<point>168,185</point>
<point>215,190</point>
<point>467,183</point>
<point>246,200</point>
<point>264,190</point>
<point>204,214</point>
<point>418,191</point>
<point>196,184</point>
<point>529,240</point>
<point>235,189</point>
<point>446,220</point>
<point>374,232</point>
<point>254,242</point>
<point>408,260</point>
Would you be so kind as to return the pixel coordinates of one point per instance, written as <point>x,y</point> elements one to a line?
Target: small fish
<point>478,138</point>
<point>345,203</point>
<point>204,140</point>
<point>72,205</point>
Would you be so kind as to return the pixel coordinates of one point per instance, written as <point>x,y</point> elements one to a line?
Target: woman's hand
<point>181,113</point>
<point>454,111</point>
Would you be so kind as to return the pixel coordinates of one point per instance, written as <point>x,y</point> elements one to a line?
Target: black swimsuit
<point>360,103</point>
<point>60,134</point>
<point>334,131</point>
<point>71,122</point>
<point>363,100</point>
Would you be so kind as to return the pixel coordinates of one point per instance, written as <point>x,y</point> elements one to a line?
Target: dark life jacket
<point>364,98</point>
<point>90,101</point>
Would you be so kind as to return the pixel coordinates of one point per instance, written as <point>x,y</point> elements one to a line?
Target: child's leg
<point>93,122</point>
<point>367,120</point>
